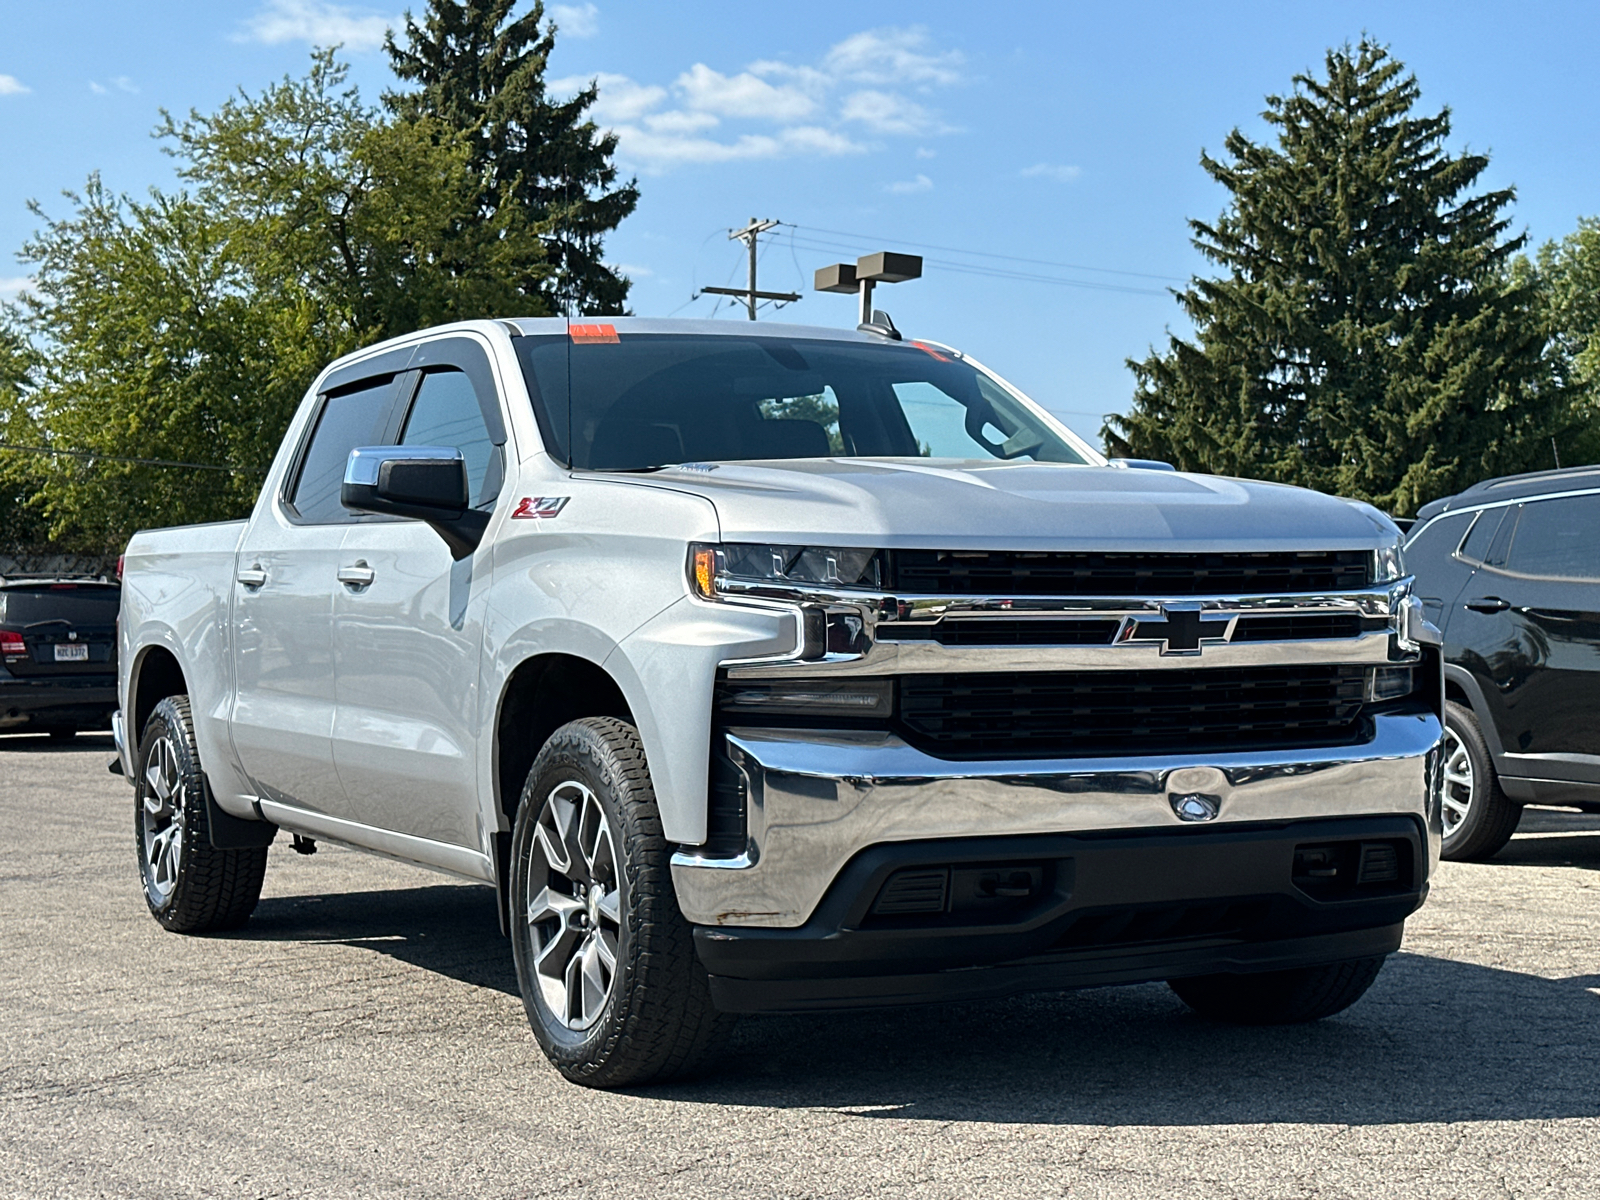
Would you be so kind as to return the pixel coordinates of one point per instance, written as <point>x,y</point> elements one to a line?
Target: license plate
<point>72,652</point>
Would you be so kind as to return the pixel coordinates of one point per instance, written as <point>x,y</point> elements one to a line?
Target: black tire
<point>1491,817</point>
<point>656,1020</point>
<point>62,735</point>
<point>1279,997</point>
<point>191,887</point>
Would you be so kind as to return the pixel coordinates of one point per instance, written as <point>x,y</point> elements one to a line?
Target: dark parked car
<point>58,655</point>
<point>1510,571</point>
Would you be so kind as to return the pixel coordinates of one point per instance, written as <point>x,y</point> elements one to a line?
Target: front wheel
<point>190,885</point>
<point>605,960</point>
<point>1478,817</point>
<point>1279,997</point>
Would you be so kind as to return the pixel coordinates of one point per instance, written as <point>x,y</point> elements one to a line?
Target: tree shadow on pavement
<point>1435,1040</point>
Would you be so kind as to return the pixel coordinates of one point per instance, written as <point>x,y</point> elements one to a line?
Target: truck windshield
<point>652,400</point>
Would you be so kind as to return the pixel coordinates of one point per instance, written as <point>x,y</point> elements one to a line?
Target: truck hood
<point>922,503</point>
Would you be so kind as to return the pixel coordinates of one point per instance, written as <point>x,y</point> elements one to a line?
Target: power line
<point>998,272</point>
<point>1036,262</point>
<point>142,462</point>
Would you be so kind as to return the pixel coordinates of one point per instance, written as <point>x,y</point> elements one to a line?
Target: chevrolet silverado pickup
<point>773,668</point>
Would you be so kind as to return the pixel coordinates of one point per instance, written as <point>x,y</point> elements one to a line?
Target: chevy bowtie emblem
<point>1181,628</point>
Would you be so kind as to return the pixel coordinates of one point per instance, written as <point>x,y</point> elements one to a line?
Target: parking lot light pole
<point>868,270</point>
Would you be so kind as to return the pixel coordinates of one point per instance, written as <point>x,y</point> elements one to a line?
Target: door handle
<point>253,577</point>
<point>358,575</point>
<point>1488,604</point>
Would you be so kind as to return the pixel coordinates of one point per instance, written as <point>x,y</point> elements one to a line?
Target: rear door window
<point>1475,548</point>
<point>1557,539</point>
<point>353,417</point>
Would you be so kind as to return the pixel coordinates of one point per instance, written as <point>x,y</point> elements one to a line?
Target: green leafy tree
<point>186,326</point>
<point>1568,276</point>
<point>482,73</point>
<point>1368,337</point>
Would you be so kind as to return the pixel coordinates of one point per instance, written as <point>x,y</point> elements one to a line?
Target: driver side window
<point>446,412</point>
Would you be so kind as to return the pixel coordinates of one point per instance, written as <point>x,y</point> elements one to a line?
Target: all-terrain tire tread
<point>670,1026</point>
<point>217,889</point>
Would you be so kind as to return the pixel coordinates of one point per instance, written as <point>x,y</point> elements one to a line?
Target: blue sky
<point>1065,134</point>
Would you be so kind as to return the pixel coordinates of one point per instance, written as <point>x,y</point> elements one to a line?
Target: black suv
<point>58,654</point>
<point>1510,571</point>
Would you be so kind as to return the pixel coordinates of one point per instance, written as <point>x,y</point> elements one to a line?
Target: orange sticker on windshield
<point>593,333</point>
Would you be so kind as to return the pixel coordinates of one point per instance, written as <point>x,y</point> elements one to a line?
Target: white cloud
<point>893,56</point>
<point>318,22</point>
<point>924,152</point>
<point>783,107</point>
<point>575,20</point>
<point>121,83</point>
<point>678,121</point>
<point>910,187</point>
<point>742,95</point>
<point>11,288</point>
<point>633,270</point>
<point>661,152</point>
<point>621,99</point>
<point>10,85</point>
<point>1061,174</point>
<point>888,113</point>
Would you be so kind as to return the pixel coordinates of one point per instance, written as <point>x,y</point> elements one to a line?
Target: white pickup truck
<point>771,668</point>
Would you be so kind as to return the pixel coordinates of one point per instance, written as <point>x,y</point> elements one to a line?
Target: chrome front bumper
<point>816,799</point>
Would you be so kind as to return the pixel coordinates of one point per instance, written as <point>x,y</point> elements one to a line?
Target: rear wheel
<point>1279,997</point>
<point>190,885</point>
<point>605,960</point>
<point>1478,817</point>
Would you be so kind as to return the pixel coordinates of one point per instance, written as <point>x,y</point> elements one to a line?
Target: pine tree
<point>483,75</point>
<point>1369,337</point>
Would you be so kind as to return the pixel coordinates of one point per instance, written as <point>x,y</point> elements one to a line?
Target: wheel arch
<point>1462,686</point>
<point>156,674</point>
<point>541,693</point>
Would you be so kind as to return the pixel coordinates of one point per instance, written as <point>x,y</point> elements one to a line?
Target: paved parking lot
<point>363,1037</point>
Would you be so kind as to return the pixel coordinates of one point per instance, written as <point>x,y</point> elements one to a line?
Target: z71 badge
<point>538,508</point>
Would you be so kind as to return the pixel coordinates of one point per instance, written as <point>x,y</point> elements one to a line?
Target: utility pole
<point>750,295</point>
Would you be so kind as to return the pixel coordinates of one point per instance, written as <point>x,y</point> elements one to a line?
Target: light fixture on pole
<point>860,276</point>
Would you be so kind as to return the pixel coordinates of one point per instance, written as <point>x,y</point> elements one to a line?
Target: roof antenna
<point>880,322</point>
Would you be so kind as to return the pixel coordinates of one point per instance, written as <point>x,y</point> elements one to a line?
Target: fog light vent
<point>919,891</point>
<point>1380,863</point>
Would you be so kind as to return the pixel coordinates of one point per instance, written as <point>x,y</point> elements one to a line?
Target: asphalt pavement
<point>363,1037</point>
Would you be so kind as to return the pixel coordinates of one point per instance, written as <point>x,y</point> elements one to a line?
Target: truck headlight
<point>810,566</point>
<point>1389,564</point>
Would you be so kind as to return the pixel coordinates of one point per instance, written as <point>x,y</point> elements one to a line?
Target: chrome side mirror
<point>424,483</point>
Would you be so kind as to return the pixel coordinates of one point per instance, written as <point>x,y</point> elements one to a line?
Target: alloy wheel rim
<point>574,910</point>
<point>162,801</point>
<point>1457,795</point>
